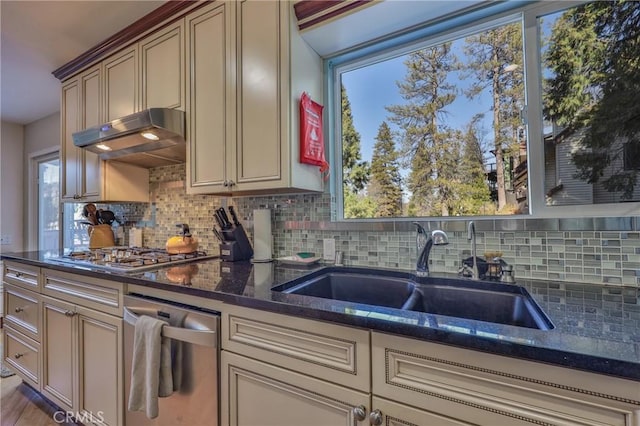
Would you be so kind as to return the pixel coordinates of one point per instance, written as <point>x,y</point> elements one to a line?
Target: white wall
<point>42,134</point>
<point>40,137</point>
<point>12,186</point>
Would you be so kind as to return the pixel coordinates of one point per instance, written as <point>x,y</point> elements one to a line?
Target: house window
<point>478,117</point>
<point>632,155</point>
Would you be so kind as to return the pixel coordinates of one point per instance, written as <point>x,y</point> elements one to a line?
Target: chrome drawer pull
<point>70,313</point>
<point>18,310</point>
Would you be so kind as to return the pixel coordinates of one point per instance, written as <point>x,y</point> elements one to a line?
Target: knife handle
<point>236,222</point>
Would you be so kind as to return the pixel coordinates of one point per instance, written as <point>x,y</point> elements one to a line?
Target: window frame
<point>438,32</point>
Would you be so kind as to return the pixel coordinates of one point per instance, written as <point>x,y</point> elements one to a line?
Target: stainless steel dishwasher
<point>196,402</point>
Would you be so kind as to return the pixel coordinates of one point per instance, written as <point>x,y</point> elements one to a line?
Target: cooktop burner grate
<point>129,259</point>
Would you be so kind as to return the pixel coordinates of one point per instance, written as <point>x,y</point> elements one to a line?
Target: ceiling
<point>40,36</point>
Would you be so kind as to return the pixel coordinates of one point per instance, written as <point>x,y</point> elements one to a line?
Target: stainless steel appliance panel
<point>197,400</point>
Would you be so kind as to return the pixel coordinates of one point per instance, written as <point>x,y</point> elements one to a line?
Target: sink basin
<point>357,287</point>
<point>476,300</point>
<point>481,301</point>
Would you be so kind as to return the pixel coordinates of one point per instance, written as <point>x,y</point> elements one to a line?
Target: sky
<point>373,87</point>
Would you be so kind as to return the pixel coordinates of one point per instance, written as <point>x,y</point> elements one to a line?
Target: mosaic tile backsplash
<point>573,255</point>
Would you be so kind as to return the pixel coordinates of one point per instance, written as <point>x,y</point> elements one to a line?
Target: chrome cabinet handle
<point>375,418</point>
<point>18,355</point>
<point>69,313</point>
<point>18,274</point>
<point>18,310</point>
<point>360,412</point>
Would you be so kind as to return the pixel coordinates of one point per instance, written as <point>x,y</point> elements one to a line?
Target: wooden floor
<point>22,406</point>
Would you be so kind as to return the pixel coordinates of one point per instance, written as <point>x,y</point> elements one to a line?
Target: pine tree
<point>385,187</point>
<point>472,171</point>
<point>594,54</point>
<point>495,57</point>
<point>425,138</point>
<point>355,172</point>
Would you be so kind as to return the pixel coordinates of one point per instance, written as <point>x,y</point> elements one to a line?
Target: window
<point>478,117</point>
<point>632,155</point>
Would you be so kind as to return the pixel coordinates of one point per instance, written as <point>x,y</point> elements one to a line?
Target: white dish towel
<point>151,375</point>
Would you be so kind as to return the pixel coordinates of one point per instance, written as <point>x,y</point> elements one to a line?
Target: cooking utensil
<point>182,244</point>
<point>106,216</point>
<point>225,218</point>
<point>232,211</point>
<point>89,211</point>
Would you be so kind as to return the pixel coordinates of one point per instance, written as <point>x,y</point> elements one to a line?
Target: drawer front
<point>22,310</point>
<point>102,295</point>
<point>493,389</point>
<point>23,356</point>
<point>25,276</point>
<point>330,352</point>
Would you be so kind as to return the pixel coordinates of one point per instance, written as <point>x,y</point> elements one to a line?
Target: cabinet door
<point>162,61</point>
<point>262,87</point>
<point>70,155</point>
<point>254,393</point>
<point>209,76</point>
<point>91,108</point>
<point>394,414</point>
<point>100,366</point>
<point>121,84</point>
<point>59,339</point>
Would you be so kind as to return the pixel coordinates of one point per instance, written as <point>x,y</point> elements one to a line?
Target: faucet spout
<point>424,243</point>
<point>471,236</point>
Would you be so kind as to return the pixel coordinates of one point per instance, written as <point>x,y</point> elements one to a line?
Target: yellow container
<point>101,236</point>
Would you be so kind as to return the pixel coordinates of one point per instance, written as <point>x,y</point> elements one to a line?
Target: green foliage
<point>385,187</point>
<point>594,53</point>
<point>492,55</point>
<point>358,206</point>
<point>427,142</point>
<point>355,172</point>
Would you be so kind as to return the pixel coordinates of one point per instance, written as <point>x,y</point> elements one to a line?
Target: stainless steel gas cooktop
<point>129,259</point>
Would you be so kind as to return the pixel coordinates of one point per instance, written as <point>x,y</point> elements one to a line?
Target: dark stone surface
<point>590,334</point>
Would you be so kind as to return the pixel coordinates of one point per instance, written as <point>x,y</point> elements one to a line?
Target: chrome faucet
<point>471,236</point>
<point>424,243</point>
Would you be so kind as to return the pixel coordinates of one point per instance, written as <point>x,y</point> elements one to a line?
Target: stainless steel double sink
<point>477,300</point>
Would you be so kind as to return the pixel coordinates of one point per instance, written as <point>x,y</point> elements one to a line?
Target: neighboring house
<point>562,188</point>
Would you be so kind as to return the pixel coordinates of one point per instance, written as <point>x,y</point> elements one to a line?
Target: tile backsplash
<point>583,253</point>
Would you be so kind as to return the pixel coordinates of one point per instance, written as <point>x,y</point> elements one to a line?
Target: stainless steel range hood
<point>150,138</point>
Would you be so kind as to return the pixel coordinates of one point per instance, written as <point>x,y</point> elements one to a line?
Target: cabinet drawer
<point>327,351</point>
<point>22,310</point>
<point>482,388</point>
<point>23,356</point>
<point>93,293</point>
<point>25,276</point>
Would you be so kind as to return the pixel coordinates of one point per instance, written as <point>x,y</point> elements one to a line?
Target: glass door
<point>48,202</point>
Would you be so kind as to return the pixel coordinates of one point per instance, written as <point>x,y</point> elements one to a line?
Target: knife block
<point>236,245</point>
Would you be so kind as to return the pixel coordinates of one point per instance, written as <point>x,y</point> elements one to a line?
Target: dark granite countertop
<point>597,327</point>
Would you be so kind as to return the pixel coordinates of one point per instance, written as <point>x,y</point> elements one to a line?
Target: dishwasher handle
<point>207,338</point>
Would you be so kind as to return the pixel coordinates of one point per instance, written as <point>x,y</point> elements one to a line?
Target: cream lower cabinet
<point>82,361</point>
<point>259,394</point>
<point>284,371</point>
<point>444,385</point>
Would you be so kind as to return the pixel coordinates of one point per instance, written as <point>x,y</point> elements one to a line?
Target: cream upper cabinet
<point>162,61</point>
<point>81,108</point>
<point>208,41</point>
<point>255,149</point>
<point>84,176</point>
<point>121,83</point>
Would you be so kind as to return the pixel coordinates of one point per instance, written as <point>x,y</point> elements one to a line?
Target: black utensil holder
<point>236,245</point>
